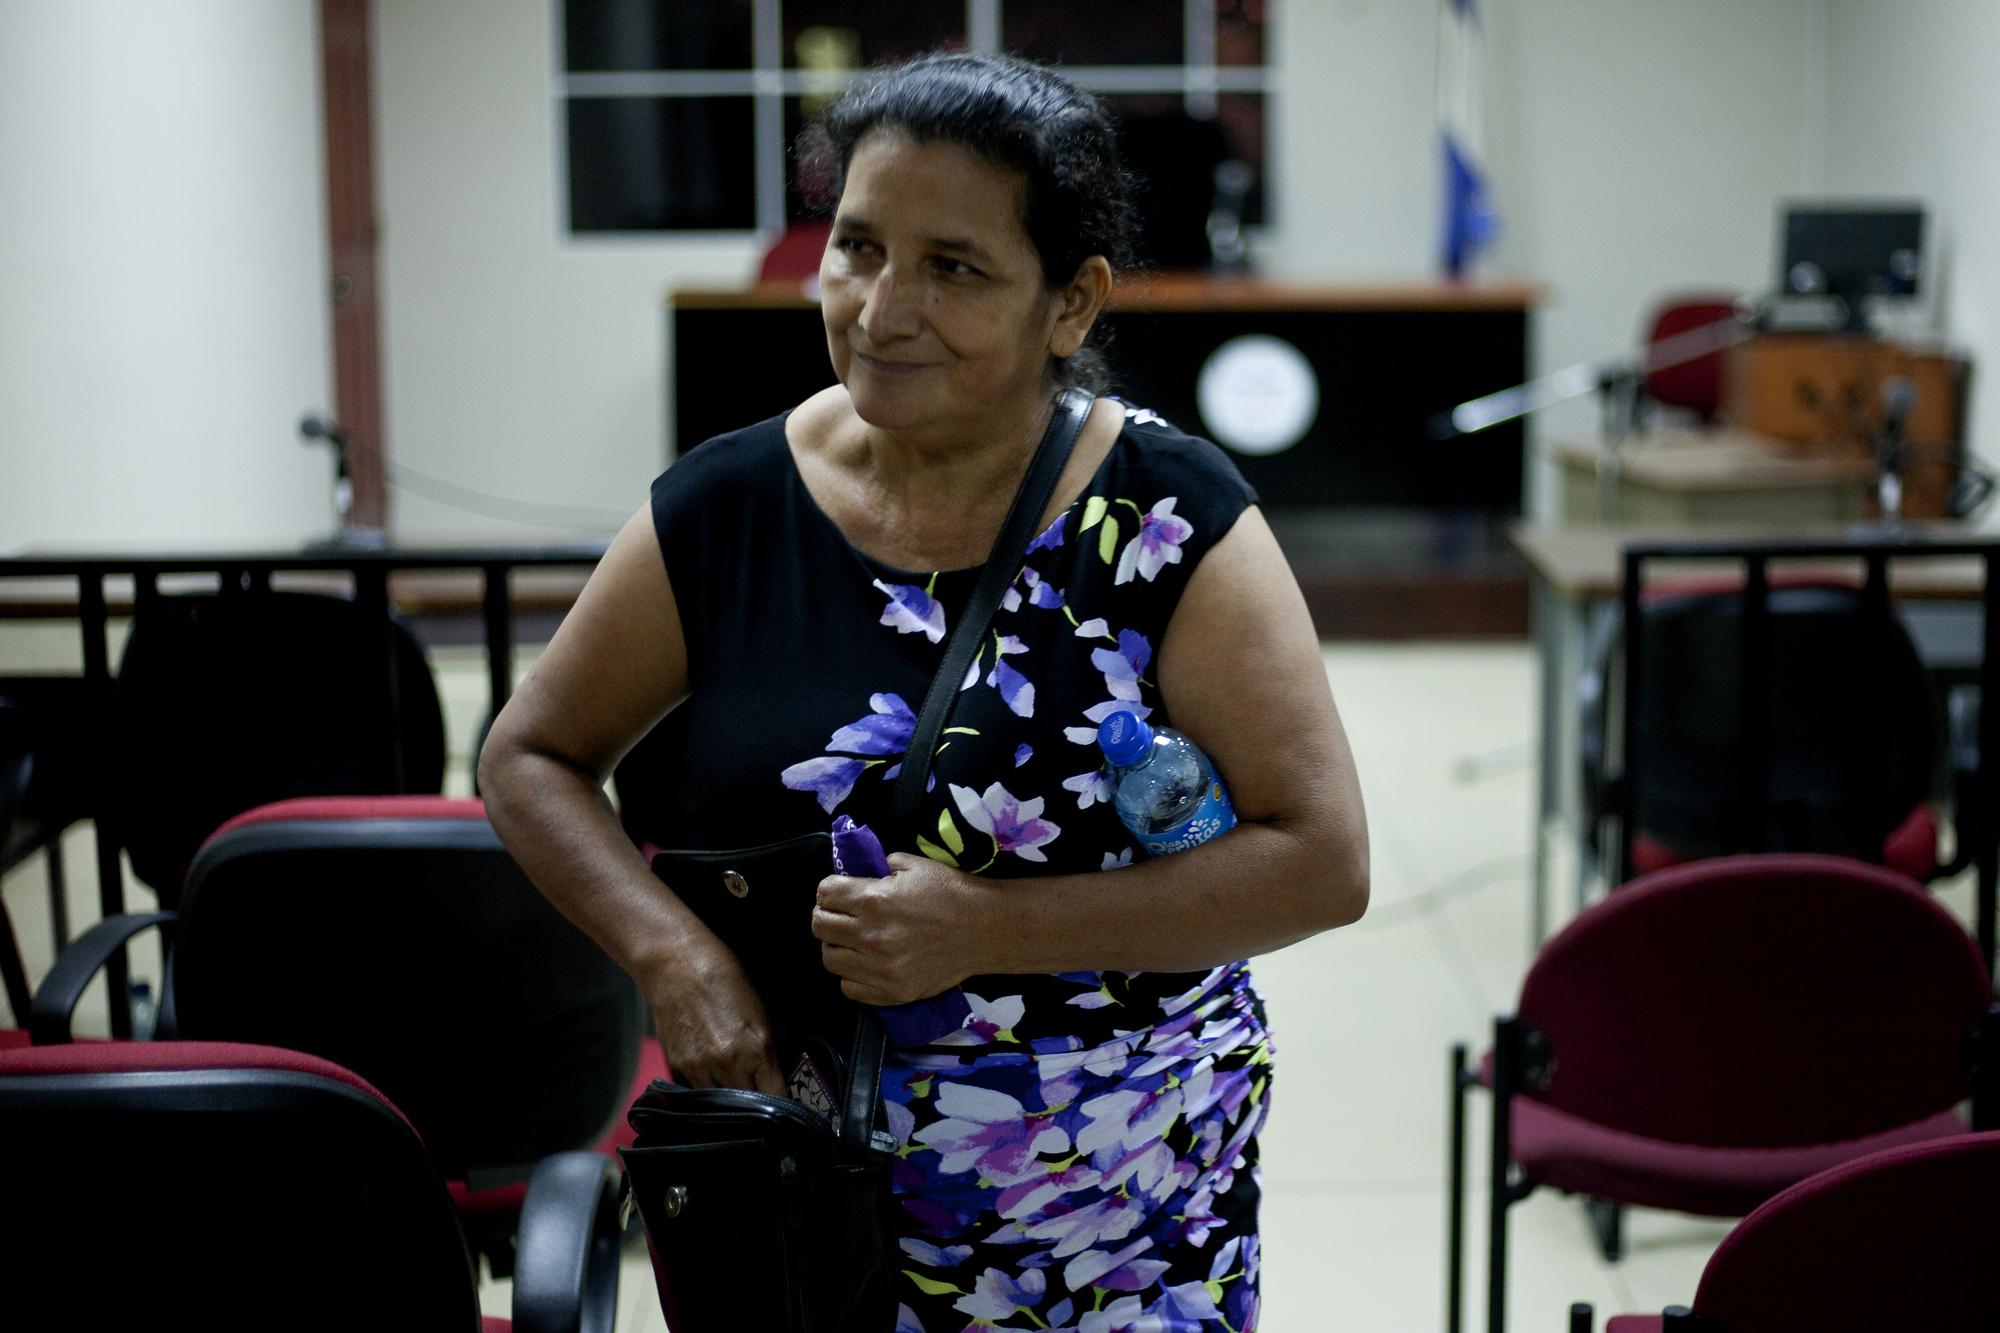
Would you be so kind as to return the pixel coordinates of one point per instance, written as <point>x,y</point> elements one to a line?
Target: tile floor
<point>1355,1154</point>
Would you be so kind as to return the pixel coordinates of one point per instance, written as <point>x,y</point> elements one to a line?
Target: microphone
<point>1899,397</point>
<point>1226,250</point>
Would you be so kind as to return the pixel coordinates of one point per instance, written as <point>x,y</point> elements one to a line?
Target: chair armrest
<point>566,1251</point>
<point>1981,1058</point>
<point>1962,771</point>
<point>56,1000</point>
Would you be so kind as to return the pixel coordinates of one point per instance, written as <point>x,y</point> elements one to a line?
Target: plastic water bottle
<point>1163,787</point>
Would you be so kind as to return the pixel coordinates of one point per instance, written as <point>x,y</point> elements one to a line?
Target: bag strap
<point>856,1137</point>
<point>1003,564</point>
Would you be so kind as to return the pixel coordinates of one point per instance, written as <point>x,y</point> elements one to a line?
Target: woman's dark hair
<point>1018,115</point>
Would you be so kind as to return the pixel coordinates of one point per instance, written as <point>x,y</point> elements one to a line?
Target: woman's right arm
<point>615,667</point>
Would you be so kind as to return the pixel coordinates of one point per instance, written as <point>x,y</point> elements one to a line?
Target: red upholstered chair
<point>217,1186</point>
<point>1711,1034</point>
<point>396,937</point>
<point>795,255</point>
<point>1700,384</point>
<point>1900,1239</point>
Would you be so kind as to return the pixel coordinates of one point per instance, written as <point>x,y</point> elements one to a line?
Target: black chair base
<point>1607,1226</point>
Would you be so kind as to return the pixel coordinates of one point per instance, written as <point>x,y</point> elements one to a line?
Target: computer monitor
<point>1851,252</point>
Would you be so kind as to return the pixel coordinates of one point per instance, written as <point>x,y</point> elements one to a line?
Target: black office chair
<point>396,937</point>
<point>17,762</point>
<point>224,1187</point>
<point>45,739</point>
<point>1845,706</point>
<point>228,702</point>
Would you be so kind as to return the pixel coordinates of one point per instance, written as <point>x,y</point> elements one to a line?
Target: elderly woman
<point>1082,1152</point>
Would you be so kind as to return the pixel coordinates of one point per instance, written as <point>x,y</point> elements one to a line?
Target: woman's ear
<point>1078,305</point>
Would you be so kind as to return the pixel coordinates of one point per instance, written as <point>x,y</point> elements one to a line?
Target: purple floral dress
<point>1080,1154</point>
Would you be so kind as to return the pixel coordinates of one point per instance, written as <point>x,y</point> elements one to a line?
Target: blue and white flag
<point>1469,219</point>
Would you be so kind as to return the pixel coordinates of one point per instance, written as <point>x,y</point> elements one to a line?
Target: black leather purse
<point>774,1213</point>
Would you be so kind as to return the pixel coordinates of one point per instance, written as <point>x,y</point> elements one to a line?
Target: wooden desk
<point>1577,577</point>
<point>1587,563</point>
<point>1822,394</point>
<point>1721,479</point>
<point>1383,359</point>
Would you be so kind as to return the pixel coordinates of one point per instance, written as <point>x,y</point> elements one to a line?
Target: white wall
<point>1913,110</point>
<point>1354,148</point>
<point>1642,149</point>
<point>518,363</point>
<point>1638,147</point>
<point>1634,144</point>
<point>162,271</point>
<point>164,248</point>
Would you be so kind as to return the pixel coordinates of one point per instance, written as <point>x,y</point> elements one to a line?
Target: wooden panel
<point>351,233</point>
<point>1823,393</point>
<point>1382,376</point>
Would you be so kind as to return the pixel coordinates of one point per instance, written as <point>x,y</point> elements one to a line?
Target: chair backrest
<point>795,255</point>
<point>214,1186</point>
<point>1758,1001</point>
<point>1699,384</point>
<point>396,937</point>
<point>17,761</point>
<point>1900,1239</point>
<point>227,702</point>
<point>1849,711</point>
<point>47,761</point>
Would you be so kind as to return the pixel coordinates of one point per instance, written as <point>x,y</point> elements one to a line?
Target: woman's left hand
<point>907,937</point>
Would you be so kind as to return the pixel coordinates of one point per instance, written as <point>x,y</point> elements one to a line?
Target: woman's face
<point>932,293</point>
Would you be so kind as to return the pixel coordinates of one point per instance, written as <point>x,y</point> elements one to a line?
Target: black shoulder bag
<point>773,1213</point>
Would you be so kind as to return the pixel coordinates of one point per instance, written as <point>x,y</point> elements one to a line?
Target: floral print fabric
<point>1080,1153</point>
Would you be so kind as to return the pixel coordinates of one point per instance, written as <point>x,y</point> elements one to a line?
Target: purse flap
<point>758,901</point>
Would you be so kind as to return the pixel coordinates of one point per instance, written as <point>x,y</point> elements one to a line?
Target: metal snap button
<point>738,886</point>
<point>677,1197</point>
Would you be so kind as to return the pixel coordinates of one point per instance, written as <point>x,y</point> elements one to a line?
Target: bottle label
<point>1212,818</point>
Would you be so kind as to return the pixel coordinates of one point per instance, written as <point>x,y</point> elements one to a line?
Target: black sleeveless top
<point>807,661</point>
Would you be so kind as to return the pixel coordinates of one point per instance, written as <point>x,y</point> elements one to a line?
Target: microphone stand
<point>348,536</point>
<point>1618,379</point>
<point>1899,396</point>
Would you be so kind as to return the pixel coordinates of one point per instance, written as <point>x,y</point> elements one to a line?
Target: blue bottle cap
<point>1124,738</point>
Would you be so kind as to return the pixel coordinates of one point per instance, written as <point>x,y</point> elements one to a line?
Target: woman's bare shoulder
<point>821,420</point>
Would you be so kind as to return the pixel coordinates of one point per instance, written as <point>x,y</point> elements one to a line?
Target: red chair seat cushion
<point>1581,1157</point>
<point>1634,1323</point>
<point>298,808</point>
<point>495,1324</point>
<point>506,1200</point>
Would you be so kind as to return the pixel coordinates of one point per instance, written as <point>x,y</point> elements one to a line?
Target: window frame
<point>1198,79</point>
